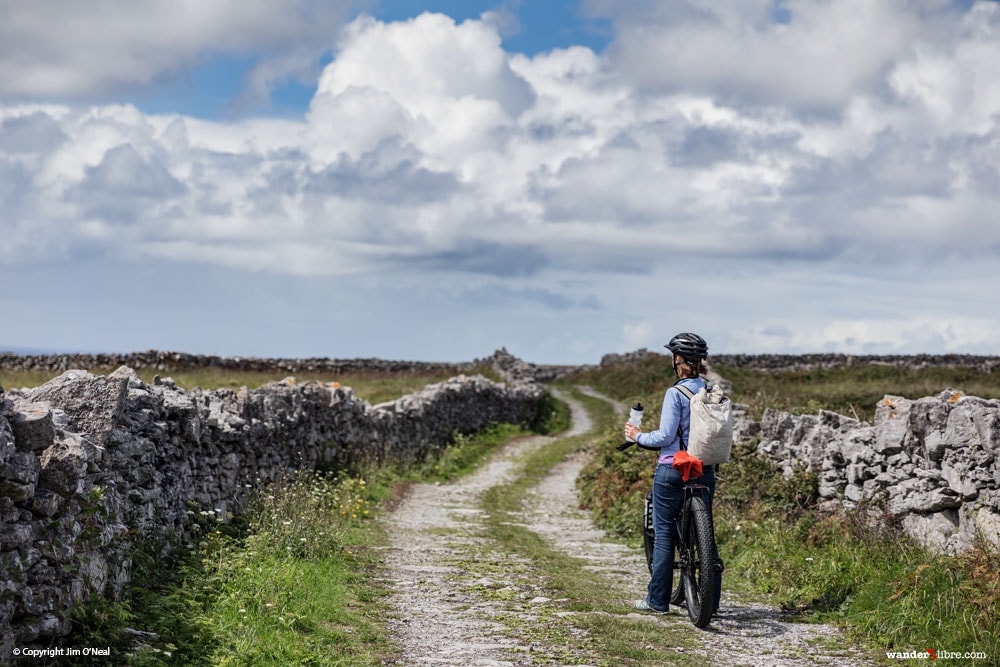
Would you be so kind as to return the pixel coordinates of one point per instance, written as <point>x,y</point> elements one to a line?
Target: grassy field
<point>296,582</point>
<point>869,578</point>
<point>373,387</point>
<point>851,390</point>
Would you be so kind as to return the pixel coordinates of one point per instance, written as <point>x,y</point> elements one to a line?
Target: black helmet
<point>688,345</point>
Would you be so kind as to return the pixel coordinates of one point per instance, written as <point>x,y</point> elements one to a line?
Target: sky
<point>437,180</point>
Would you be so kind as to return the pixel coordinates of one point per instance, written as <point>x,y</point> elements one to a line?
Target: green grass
<point>289,584</point>
<point>854,569</point>
<point>373,387</point>
<point>851,390</point>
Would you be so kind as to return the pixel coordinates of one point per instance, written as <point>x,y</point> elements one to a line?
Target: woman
<point>689,353</point>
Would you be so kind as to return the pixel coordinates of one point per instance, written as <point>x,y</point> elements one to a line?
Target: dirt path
<point>453,609</point>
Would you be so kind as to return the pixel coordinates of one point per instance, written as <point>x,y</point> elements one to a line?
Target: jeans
<point>668,496</point>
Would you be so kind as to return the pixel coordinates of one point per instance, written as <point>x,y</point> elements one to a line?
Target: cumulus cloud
<point>63,49</point>
<point>814,55</point>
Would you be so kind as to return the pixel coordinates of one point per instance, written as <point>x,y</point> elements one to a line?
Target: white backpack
<point>711,435</point>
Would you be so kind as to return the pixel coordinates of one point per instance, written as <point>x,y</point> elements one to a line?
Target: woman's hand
<point>631,431</point>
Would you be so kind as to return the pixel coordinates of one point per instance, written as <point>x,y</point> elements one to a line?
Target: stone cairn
<point>90,465</point>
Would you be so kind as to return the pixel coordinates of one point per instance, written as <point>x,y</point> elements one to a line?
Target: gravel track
<point>450,609</point>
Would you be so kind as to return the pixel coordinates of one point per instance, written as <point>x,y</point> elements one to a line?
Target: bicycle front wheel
<point>699,570</point>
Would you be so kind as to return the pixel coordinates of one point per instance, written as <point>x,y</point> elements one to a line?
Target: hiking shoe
<point>642,605</point>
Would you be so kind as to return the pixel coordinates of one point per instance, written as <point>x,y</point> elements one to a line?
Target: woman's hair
<point>686,369</point>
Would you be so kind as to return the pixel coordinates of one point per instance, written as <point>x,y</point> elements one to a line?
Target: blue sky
<point>419,180</point>
<point>214,88</point>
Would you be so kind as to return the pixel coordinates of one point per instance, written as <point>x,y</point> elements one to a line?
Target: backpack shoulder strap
<point>684,390</point>
<point>689,395</point>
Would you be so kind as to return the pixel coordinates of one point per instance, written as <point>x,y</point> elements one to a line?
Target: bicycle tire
<point>699,572</point>
<point>648,534</point>
<point>677,597</point>
<point>647,545</point>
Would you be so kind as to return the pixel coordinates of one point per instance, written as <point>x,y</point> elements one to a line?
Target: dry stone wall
<point>931,463</point>
<point>91,464</point>
<point>170,362</point>
<point>785,362</point>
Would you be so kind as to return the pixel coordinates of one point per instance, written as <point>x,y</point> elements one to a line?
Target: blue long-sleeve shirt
<point>676,412</point>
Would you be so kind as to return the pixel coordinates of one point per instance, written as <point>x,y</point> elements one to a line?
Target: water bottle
<point>635,417</point>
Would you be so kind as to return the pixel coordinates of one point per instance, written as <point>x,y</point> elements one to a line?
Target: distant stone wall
<point>784,362</point>
<point>170,362</point>
<point>932,462</point>
<point>90,464</point>
<point>780,362</point>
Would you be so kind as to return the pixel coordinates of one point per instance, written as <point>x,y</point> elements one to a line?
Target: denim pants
<point>668,496</point>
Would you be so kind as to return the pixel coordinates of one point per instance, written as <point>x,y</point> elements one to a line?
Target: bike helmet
<point>688,345</point>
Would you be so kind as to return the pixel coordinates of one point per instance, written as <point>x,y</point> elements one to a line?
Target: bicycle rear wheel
<point>699,570</point>
<point>648,534</point>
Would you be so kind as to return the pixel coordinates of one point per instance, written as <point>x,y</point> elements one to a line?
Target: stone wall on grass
<point>172,362</point>
<point>931,463</point>
<point>93,465</point>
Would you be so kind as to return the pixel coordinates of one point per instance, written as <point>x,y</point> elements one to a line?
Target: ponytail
<point>687,369</point>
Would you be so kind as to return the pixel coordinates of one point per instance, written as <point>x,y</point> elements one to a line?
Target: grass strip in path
<point>584,606</point>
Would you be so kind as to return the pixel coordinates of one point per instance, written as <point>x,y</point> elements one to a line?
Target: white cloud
<point>448,86</point>
<point>818,57</point>
<point>968,335</point>
<point>64,49</point>
<point>428,149</point>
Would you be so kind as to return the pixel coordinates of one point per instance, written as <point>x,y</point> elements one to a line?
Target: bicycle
<point>698,558</point>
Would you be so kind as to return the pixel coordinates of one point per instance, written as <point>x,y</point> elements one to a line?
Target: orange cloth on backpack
<point>687,465</point>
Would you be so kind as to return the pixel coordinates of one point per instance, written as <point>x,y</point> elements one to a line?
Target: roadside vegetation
<point>852,569</point>
<point>293,581</point>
